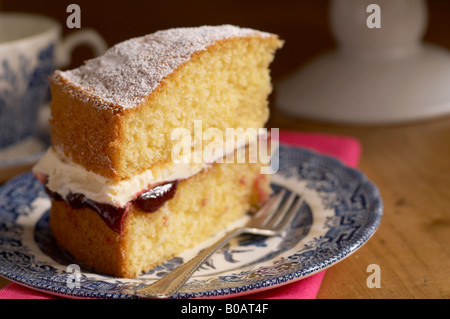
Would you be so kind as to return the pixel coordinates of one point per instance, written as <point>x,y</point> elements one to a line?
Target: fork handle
<point>172,282</point>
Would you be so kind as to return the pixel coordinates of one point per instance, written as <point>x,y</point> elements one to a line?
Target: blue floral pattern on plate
<point>342,210</point>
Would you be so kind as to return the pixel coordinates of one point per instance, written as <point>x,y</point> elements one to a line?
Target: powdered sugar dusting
<point>131,70</point>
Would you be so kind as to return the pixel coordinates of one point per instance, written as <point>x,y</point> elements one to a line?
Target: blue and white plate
<point>342,210</point>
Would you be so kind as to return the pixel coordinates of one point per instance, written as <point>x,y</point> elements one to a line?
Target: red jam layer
<point>149,201</point>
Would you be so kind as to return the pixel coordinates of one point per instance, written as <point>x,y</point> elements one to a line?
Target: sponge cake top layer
<point>129,71</point>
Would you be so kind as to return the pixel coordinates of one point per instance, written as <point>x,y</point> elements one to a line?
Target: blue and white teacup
<point>31,47</point>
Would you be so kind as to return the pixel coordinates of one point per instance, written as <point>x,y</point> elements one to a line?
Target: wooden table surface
<point>409,163</point>
<point>410,166</point>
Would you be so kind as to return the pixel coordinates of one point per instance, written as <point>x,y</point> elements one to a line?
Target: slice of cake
<point>128,191</point>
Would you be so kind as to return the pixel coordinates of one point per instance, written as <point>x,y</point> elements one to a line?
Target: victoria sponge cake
<point>125,194</point>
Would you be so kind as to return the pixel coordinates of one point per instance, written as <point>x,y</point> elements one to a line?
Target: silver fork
<point>271,220</point>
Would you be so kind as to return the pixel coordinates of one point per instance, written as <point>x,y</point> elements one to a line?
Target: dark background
<point>303,24</point>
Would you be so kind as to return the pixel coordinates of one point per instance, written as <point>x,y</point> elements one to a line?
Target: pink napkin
<point>345,148</point>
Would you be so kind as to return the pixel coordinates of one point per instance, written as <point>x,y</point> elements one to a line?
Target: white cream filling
<point>65,177</point>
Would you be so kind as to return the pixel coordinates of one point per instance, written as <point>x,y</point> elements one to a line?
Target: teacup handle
<point>86,36</point>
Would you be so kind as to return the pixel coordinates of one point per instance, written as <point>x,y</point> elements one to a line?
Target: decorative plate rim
<point>344,252</point>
